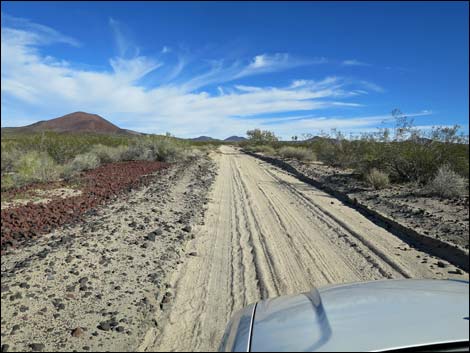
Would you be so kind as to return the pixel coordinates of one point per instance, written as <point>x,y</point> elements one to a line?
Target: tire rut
<point>267,234</point>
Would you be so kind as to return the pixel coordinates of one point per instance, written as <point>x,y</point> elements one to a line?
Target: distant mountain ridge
<point>235,139</point>
<point>204,138</point>
<point>79,122</point>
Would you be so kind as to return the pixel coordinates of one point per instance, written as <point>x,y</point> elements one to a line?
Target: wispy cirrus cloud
<point>124,44</point>
<point>29,33</point>
<point>265,63</point>
<point>180,98</point>
<point>354,62</point>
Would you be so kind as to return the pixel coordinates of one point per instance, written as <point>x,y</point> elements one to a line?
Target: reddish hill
<point>76,122</point>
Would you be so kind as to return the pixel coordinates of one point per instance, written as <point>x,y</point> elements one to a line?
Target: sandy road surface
<point>268,234</point>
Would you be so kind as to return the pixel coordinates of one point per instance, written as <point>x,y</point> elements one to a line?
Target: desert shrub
<point>9,157</point>
<point>377,179</point>
<point>261,137</point>
<point>191,153</point>
<point>84,161</point>
<point>8,181</point>
<point>407,155</point>
<point>335,150</point>
<point>204,149</point>
<point>266,149</point>
<point>107,154</point>
<point>35,166</point>
<point>138,150</point>
<point>300,153</point>
<point>62,147</point>
<point>447,183</point>
<point>167,150</point>
<point>156,148</point>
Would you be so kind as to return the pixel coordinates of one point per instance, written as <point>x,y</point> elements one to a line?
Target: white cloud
<point>38,86</point>
<point>354,62</point>
<point>371,86</point>
<point>27,32</point>
<point>133,69</point>
<point>265,63</point>
<point>124,44</point>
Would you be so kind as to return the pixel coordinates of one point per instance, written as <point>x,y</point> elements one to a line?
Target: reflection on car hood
<point>368,316</point>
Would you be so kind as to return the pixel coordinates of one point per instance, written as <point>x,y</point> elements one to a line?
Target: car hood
<point>370,316</point>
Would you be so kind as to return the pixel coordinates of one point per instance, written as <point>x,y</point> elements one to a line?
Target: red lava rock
<point>100,184</point>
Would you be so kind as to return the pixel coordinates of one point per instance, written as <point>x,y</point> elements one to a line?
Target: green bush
<point>261,137</point>
<point>155,148</point>
<point>28,157</point>
<point>167,150</point>
<point>9,157</point>
<point>107,154</point>
<point>7,182</point>
<point>409,155</point>
<point>85,161</point>
<point>266,149</point>
<point>377,179</point>
<point>35,166</point>
<point>300,153</point>
<point>447,183</point>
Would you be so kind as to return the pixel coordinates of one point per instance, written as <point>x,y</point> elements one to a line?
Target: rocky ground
<point>39,208</point>
<point>96,285</point>
<point>407,204</point>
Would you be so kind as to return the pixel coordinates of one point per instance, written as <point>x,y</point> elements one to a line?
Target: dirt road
<point>268,234</point>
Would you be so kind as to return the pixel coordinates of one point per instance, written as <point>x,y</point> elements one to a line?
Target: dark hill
<point>74,122</point>
<point>235,139</point>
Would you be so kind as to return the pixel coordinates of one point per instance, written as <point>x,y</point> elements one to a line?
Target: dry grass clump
<point>48,156</point>
<point>300,153</point>
<point>447,183</point>
<point>33,166</point>
<point>377,179</point>
<point>266,149</point>
<point>85,161</point>
<point>108,154</point>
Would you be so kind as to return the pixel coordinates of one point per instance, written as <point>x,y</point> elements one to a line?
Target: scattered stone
<point>77,332</point>
<point>105,326</point>
<point>441,264</point>
<point>151,236</point>
<point>36,347</point>
<point>166,298</point>
<point>108,325</point>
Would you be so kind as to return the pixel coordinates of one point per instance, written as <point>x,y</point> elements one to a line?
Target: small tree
<point>261,137</point>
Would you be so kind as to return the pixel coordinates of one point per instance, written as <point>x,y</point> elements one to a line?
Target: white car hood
<point>370,316</point>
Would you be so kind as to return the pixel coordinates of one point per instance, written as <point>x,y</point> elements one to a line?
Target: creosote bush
<point>30,157</point>
<point>85,161</point>
<point>35,166</point>
<point>266,149</point>
<point>300,153</point>
<point>446,183</point>
<point>108,154</point>
<point>377,179</point>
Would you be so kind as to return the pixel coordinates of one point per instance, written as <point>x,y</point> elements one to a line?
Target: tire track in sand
<point>268,234</point>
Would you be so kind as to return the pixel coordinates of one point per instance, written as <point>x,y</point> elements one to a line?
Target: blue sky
<point>218,69</point>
